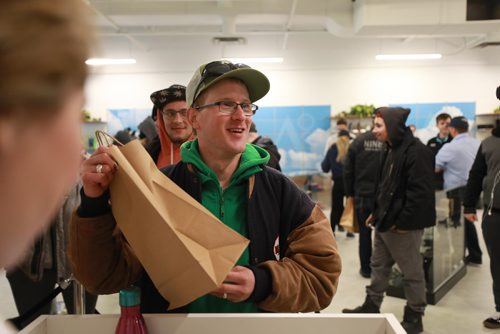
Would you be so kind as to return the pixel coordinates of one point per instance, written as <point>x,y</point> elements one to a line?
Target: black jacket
<point>405,197</point>
<point>268,144</point>
<point>483,174</point>
<point>435,143</point>
<point>154,149</point>
<point>362,165</point>
<point>330,163</point>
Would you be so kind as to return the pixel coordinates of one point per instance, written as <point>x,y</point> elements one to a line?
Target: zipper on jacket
<point>222,205</point>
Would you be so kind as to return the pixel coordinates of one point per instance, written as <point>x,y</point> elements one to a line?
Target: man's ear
<point>193,115</point>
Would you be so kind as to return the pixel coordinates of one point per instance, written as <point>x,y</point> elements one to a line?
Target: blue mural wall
<point>423,115</point>
<point>119,119</point>
<point>300,132</point>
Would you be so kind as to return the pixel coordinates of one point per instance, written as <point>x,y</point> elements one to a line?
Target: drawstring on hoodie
<point>171,153</point>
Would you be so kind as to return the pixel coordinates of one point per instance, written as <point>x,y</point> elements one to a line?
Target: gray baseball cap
<point>208,74</point>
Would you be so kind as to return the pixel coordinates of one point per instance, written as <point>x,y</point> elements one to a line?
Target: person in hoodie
<point>360,175</point>
<point>404,206</point>
<point>170,111</point>
<point>291,264</point>
<point>485,176</point>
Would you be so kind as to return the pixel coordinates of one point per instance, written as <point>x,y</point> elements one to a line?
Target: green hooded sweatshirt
<point>230,207</point>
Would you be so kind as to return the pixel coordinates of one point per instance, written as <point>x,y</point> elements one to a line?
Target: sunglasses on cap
<point>216,69</point>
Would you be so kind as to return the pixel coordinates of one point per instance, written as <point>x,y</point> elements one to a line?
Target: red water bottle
<point>131,320</point>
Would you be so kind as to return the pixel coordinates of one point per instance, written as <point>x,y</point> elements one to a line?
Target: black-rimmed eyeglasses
<point>171,114</point>
<point>230,107</point>
<point>216,69</point>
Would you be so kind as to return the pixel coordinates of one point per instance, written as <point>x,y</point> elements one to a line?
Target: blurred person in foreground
<point>42,68</point>
<point>404,206</point>
<point>291,263</point>
<point>172,125</point>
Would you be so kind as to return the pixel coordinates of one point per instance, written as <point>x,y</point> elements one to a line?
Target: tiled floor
<point>462,310</point>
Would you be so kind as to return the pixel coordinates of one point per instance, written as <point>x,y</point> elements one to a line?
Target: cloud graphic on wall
<point>114,124</point>
<point>431,129</point>
<point>302,159</point>
<point>283,154</point>
<point>317,138</point>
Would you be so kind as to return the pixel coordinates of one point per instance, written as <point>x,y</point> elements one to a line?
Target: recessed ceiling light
<point>415,56</point>
<point>110,61</point>
<point>256,60</point>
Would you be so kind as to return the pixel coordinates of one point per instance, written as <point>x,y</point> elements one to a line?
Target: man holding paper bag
<point>291,263</point>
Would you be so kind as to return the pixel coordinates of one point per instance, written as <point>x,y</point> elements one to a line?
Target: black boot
<point>367,307</point>
<point>412,321</point>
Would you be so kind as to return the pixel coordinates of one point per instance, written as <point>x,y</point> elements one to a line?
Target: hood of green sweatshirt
<point>250,161</point>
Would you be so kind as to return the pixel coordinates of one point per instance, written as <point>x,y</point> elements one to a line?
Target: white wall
<point>339,88</point>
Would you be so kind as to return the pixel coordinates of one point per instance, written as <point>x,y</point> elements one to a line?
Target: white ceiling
<point>166,35</point>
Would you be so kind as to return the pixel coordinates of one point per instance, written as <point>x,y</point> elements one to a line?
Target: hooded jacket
<point>161,149</point>
<point>404,198</point>
<point>485,175</point>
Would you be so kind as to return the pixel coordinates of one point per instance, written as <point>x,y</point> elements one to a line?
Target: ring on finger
<point>98,168</point>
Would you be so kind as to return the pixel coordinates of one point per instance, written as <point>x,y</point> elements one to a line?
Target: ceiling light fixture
<point>257,60</point>
<point>110,61</point>
<point>416,56</point>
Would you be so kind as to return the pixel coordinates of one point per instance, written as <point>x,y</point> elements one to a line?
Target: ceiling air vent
<point>487,44</point>
<point>229,40</point>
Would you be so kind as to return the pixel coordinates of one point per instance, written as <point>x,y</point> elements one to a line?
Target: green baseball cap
<point>208,74</point>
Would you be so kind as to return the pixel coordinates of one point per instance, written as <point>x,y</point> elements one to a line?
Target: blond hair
<point>342,146</point>
<point>43,48</point>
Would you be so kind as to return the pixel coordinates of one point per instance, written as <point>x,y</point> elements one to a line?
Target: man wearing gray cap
<point>292,263</point>
<point>455,160</point>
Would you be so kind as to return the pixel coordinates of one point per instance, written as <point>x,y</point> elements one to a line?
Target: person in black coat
<point>484,176</point>
<point>404,206</point>
<point>267,144</point>
<point>360,175</point>
<point>334,161</point>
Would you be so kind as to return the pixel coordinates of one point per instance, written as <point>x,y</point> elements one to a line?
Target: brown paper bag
<point>184,248</point>
<point>349,220</point>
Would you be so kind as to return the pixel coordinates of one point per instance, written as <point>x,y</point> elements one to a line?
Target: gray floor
<point>462,310</point>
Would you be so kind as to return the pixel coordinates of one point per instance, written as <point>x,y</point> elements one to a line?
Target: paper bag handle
<point>104,137</point>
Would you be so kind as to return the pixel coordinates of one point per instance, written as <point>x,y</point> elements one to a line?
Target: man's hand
<point>237,286</point>
<point>369,221</point>
<point>97,172</point>
<point>471,216</point>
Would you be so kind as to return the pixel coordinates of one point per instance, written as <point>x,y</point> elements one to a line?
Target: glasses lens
<point>229,107</point>
<point>171,114</point>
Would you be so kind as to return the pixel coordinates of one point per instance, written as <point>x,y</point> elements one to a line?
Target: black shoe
<point>412,321</point>
<point>341,228</point>
<point>367,307</point>
<point>365,273</point>
<point>350,235</point>
<point>472,261</point>
<point>492,322</point>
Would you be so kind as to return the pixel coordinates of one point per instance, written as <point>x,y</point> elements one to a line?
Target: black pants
<point>363,207</point>
<point>337,202</point>
<point>491,235</point>
<point>471,240</point>
<point>27,293</point>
